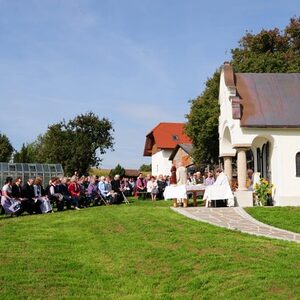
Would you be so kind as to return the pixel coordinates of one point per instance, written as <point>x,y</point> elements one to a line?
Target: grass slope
<point>282,217</point>
<point>140,251</point>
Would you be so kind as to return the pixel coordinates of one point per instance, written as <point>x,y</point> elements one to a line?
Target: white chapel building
<point>261,112</point>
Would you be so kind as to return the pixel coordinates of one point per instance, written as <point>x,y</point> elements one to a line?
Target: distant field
<point>140,251</point>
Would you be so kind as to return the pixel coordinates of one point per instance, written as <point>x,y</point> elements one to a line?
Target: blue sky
<point>136,62</point>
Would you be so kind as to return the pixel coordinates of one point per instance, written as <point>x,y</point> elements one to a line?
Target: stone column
<point>228,167</point>
<point>241,168</point>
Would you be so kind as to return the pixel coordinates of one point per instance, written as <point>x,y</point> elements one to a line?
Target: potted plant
<point>263,191</point>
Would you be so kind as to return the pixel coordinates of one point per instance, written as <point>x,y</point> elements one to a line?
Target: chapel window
<point>298,164</point>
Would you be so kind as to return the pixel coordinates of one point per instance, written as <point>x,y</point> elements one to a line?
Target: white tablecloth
<point>195,187</point>
<point>175,191</point>
<point>179,191</point>
<point>218,192</point>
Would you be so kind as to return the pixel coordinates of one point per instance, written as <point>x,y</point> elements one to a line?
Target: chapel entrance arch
<point>262,150</point>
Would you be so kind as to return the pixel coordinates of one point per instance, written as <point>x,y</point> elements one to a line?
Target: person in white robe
<point>212,193</point>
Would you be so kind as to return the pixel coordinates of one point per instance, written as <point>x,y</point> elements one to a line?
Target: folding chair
<point>102,200</point>
<point>125,199</point>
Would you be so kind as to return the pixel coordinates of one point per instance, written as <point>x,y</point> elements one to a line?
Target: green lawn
<point>140,251</point>
<point>281,217</point>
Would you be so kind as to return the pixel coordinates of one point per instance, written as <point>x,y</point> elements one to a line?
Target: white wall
<point>161,163</point>
<point>285,143</point>
<point>287,185</point>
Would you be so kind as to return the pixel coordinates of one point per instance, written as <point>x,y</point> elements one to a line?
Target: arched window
<point>298,164</point>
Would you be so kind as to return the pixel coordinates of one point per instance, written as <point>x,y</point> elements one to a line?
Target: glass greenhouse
<point>26,171</point>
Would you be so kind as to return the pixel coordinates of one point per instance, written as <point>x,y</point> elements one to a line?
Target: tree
<point>202,125</point>
<point>27,154</point>
<point>117,170</point>
<point>268,51</point>
<point>76,144</point>
<point>6,148</point>
<point>145,168</point>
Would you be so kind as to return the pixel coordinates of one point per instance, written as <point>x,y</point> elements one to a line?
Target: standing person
<point>181,175</point>
<point>152,188</point>
<point>222,179</point>
<point>173,179</point>
<point>141,186</point>
<point>161,184</point>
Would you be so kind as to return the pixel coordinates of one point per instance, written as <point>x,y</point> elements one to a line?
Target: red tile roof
<point>165,136</point>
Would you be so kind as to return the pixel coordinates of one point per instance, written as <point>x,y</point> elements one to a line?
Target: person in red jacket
<point>74,190</point>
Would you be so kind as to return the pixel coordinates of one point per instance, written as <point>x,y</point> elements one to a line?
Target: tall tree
<point>117,170</point>
<point>6,148</point>
<point>202,125</point>
<point>76,144</point>
<point>268,51</point>
<point>145,168</point>
<point>27,154</point>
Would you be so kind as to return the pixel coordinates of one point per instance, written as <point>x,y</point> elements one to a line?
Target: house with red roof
<point>160,142</point>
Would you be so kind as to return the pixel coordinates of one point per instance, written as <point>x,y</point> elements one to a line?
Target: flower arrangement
<point>263,190</point>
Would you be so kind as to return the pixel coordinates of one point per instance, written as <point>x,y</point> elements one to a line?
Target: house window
<point>175,137</point>
<point>298,164</point>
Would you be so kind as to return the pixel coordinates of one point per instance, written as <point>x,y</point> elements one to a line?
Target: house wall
<point>183,157</point>
<point>161,163</point>
<point>285,144</point>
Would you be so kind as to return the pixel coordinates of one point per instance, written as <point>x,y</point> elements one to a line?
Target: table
<point>180,192</point>
<point>195,190</point>
<point>218,192</point>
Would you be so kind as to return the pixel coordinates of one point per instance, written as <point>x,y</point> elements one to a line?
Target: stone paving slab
<point>236,218</point>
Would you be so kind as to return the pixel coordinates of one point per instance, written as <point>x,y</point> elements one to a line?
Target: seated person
<point>17,194</point>
<point>53,193</point>
<point>141,186</point>
<point>103,187</point>
<point>93,191</point>
<point>116,188</point>
<point>75,191</point>
<point>209,180</point>
<point>40,195</point>
<point>126,187</point>
<point>11,206</point>
<point>63,190</point>
<point>198,178</point>
<point>28,194</point>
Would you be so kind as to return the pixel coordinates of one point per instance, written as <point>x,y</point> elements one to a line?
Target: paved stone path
<point>236,218</point>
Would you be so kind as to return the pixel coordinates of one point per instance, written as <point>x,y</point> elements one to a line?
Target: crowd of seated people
<point>81,192</point>
<point>62,193</point>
